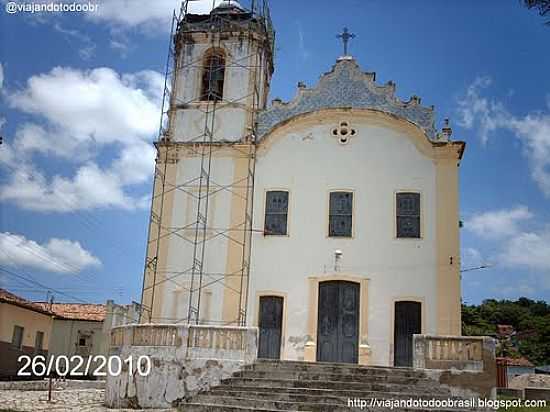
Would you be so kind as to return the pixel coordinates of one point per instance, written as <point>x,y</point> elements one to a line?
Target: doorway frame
<point>310,350</point>
<point>283,295</point>
<point>395,299</point>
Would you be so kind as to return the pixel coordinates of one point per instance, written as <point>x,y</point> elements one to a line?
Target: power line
<point>86,218</point>
<point>64,266</point>
<point>487,266</point>
<point>46,288</point>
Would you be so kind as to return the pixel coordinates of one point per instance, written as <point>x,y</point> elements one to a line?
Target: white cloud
<point>87,50</point>
<point>472,257</point>
<point>156,15</point>
<point>56,255</point>
<point>7,156</point>
<point>2,119</point>
<point>498,223</point>
<point>91,187</point>
<point>516,246</point>
<point>96,108</point>
<point>97,105</point>
<point>474,109</point>
<point>532,130</point>
<point>136,12</point>
<point>31,137</point>
<point>135,164</point>
<point>530,250</point>
<point>121,42</point>
<point>304,52</point>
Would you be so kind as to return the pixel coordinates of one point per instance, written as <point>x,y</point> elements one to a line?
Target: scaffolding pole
<point>194,277</point>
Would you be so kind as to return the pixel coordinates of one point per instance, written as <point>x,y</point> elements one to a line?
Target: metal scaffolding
<point>256,33</point>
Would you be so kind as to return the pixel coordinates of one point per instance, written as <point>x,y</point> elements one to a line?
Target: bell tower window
<point>213,76</point>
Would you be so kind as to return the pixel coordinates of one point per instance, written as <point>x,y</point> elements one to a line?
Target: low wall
<point>184,360</point>
<point>510,393</point>
<point>466,364</point>
<point>9,355</point>
<point>538,394</point>
<point>57,384</point>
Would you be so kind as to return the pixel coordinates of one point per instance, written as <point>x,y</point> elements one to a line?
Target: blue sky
<point>79,106</point>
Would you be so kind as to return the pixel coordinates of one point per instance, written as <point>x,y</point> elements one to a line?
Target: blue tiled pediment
<point>346,86</point>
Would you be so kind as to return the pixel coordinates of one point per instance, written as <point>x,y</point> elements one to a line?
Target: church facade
<point>330,222</point>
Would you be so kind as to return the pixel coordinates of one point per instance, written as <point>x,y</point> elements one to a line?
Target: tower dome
<point>228,7</point>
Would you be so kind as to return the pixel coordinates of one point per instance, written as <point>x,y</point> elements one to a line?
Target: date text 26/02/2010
<point>76,365</point>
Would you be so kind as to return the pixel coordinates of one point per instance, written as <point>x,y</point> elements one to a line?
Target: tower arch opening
<point>213,75</point>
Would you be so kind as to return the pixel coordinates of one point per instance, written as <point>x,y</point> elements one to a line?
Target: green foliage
<point>530,319</point>
<point>542,6</point>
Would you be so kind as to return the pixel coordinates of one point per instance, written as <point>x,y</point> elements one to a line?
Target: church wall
<point>154,281</point>
<point>180,247</point>
<point>305,159</point>
<point>448,243</point>
<point>228,123</point>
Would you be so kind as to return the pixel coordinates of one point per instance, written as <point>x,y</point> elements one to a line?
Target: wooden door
<point>338,322</point>
<point>270,325</point>
<point>408,321</point>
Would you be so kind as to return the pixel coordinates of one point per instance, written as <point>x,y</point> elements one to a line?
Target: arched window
<point>213,76</point>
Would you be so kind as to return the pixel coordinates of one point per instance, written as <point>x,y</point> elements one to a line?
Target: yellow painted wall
<point>448,247</point>
<point>65,336</point>
<point>11,315</point>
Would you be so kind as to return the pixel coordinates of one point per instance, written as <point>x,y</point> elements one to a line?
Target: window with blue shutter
<point>408,215</point>
<point>340,214</point>
<point>276,212</point>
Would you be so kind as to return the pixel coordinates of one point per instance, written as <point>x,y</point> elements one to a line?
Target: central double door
<point>338,322</point>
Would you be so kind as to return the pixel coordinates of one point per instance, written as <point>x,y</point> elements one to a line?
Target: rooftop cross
<point>345,36</point>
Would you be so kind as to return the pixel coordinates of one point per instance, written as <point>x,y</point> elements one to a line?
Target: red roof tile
<point>505,330</point>
<point>8,297</point>
<point>518,362</point>
<point>76,311</point>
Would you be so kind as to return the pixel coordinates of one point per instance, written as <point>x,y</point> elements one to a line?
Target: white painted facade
<point>309,162</point>
<point>395,148</point>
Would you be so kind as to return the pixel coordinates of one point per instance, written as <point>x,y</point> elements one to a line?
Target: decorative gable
<point>346,86</point>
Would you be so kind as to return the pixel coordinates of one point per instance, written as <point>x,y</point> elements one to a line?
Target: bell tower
<point>224,62</point>
<point>218,73</point>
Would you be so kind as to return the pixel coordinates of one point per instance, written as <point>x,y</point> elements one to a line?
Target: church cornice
<point>441,149</point>
<point>346,86</point>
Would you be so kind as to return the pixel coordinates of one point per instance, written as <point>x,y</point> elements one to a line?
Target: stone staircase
<point>321,387</point>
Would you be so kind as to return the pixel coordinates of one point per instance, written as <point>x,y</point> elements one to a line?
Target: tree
<point>530,320</point>
<point>542,6</point>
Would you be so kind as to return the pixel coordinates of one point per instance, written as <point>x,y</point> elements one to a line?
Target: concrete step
<point>333,368</point>
<point>269,385</point>
<point>313,376</point>
<point>315,395</point>
<point>212,407</point>
<point>334,385</point>
<point>266,403</point>
<point>269,405</point>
